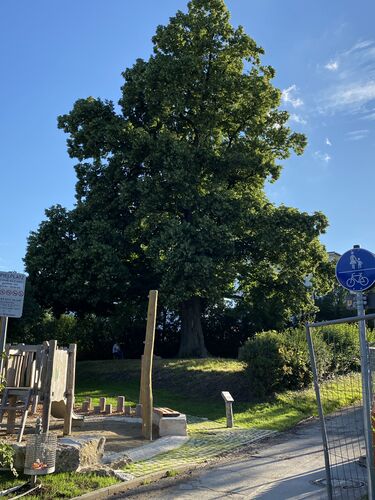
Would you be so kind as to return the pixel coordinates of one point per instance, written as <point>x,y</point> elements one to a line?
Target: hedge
<point>279,361</point>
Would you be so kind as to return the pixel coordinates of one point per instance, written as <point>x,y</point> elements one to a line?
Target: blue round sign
<point>355,270</point>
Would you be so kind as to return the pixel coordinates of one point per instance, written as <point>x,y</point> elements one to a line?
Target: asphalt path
<point>287,466</point>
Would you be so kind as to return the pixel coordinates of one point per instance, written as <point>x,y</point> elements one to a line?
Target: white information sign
<point>12,292</point>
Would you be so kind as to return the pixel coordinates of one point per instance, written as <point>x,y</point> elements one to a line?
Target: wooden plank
<point>23,370</point>
<point>146,379</point>
<point>59,375</point>
<point>48,386</point>
<point>70,384</point>
<point>18,391</point>
<point>166,412</point>
<point>29,348</point>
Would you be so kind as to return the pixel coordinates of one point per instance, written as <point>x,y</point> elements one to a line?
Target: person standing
<point>116,351</point>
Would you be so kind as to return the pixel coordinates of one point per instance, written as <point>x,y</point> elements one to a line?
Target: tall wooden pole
<point>146,375</point>
<point>70,387</point>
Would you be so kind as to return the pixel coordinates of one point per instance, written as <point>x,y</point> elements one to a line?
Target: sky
<point>53,53</point>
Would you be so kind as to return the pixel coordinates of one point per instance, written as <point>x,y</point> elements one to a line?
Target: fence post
<point>366,395</point>
<point>321,413</point>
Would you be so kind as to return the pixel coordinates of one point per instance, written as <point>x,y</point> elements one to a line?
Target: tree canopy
<point>170,190</point>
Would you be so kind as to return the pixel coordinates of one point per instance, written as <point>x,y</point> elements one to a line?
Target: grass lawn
<point>63,485</point>
<point>192,387</point>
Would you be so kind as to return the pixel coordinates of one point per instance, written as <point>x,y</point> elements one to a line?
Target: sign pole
<point>3,338</point>
<point>355,271</point>
<point>366,392</point>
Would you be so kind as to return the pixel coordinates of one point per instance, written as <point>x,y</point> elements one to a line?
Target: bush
<point>343,341</point>
<point>280,361</point>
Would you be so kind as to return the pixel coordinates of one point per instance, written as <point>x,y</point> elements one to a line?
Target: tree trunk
<point>192,340</point>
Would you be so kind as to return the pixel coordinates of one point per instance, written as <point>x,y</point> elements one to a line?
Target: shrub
<point>280,361</point>
<point>343,341</point>
<point>7,457</point>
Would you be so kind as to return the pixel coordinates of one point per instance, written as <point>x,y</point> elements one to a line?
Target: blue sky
<point>52,53</point>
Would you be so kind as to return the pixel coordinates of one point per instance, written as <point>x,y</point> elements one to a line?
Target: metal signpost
<point>12,293</point>
<point>355,271</point>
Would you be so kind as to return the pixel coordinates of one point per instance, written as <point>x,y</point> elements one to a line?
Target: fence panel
<point>338,384</point>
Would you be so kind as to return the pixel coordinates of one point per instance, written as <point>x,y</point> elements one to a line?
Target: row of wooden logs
<point>103,407</point>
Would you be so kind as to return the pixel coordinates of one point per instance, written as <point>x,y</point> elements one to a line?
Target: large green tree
<point>170,186</point>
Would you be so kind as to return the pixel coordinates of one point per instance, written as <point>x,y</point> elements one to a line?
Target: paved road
<point>284,467</point>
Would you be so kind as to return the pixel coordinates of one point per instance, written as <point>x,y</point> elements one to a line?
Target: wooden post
<point>86,406</point>
<point>120,404</point>
<point>108,409</point>
<point>11,420</point>
<point>89,400</point>
<point>146,376</point>
<point>48,386</point>
<point>70,383</point>
<point>102,403</point>
<point>228,407</point>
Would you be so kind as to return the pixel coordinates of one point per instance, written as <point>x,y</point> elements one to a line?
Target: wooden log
<point>70,383</point>
<point>146,379</point>
<point>102,403</point>
<point>108,409</point>
<point>120,404</point>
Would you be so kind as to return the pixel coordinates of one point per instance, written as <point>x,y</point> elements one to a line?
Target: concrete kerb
<point>133,483</point>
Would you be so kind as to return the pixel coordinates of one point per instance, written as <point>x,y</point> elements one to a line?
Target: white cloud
<point>370,115</point>
<point>357,135</point>
<point>351,97</point>
<point>328,142</point>
<point>298,119</point>
<point>322,156</point>
<point>359,46</point>
<point>332,66</point>
<point>352,88</point>
<point>288,96</point>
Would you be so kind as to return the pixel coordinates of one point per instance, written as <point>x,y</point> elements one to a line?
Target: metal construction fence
<point>343,387</point>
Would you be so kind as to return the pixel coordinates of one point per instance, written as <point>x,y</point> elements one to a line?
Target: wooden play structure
<point>38,374</point>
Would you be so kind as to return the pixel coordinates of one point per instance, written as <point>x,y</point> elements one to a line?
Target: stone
<point>123,476</point>
<point>116,459</point>
<point>19,455</point>
<point>75,453</point>
<point>72,454</point>
<point>105,471</point>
